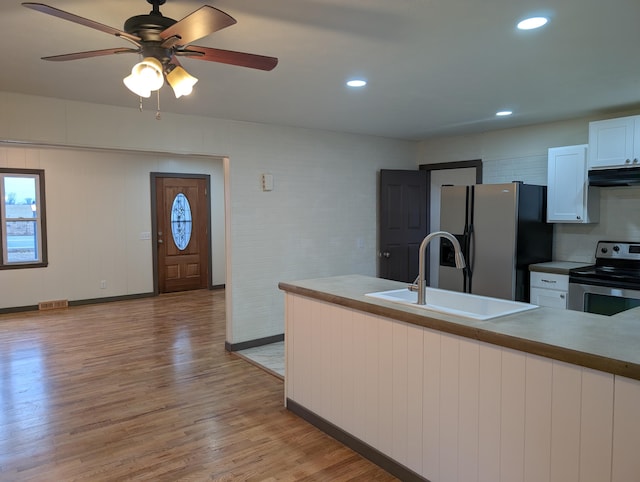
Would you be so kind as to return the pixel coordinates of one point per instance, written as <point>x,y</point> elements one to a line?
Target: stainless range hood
<point>623,176</point>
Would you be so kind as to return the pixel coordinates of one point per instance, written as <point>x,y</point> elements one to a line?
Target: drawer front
<point>549,298</point>
<point>550,281</point>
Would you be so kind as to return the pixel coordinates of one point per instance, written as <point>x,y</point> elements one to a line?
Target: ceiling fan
<point>160,41</point>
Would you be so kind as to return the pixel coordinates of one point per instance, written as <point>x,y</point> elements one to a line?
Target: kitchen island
<point>540,395</point>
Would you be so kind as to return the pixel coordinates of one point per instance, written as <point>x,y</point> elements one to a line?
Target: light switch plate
<point>267,182</point>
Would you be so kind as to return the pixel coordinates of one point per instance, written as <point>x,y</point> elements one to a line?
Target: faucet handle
<point>414,286</point>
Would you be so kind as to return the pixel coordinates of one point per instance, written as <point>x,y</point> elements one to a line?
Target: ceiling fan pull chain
<point>158,111</point>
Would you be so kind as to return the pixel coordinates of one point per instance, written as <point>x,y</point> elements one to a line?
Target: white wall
<point>520,154</point>
<point>320,219</point>
<point>98,203</point>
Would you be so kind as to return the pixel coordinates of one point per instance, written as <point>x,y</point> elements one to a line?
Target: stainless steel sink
<point>454,303</point>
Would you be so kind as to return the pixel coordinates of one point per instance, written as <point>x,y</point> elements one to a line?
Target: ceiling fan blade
<point>41,7</point>
<point>91,53</point>
<point>198,24</point>
<point>241,59</point>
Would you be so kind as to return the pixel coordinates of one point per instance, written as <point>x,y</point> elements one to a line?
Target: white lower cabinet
<point>549,289</point>
<point>549,298</point>
<point>454,409</point>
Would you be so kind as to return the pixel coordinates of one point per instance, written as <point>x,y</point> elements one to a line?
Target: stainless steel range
<point>612,284</point>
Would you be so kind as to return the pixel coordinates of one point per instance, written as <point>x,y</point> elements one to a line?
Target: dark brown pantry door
<point>403,222</point>
<point>182,221</point>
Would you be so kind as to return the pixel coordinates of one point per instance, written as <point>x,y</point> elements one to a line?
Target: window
<point>22,218</point>
<point>181,221</point>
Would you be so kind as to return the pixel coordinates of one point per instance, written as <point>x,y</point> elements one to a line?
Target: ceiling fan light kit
<point>146,77</point>
<point>180,81</point>
<point>160,41</point>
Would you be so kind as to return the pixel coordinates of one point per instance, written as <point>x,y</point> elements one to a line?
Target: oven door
<point>601,300</point>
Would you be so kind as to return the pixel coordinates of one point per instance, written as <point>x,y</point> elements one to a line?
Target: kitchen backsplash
<point>531,170</point>
<point>619,221</point>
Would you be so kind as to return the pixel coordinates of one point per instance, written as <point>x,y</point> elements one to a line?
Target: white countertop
<point>557,267</point>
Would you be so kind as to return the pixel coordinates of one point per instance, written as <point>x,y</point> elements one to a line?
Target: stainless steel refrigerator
<point>502,229</point>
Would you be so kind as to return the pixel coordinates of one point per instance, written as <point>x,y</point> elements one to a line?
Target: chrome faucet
<point>420,284</point>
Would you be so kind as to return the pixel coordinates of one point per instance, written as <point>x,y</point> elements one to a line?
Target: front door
<point>182,232</point>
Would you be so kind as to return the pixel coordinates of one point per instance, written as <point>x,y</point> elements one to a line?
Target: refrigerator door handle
<point>466,280</point>
<point>470,247</point>
<point>470,253</point>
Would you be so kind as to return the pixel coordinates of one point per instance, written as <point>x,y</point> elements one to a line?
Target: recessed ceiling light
<point>357,83</point>
<point>503,113</point>
<point>531,23</point>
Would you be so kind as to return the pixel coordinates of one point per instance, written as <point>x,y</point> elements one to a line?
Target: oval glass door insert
<point>181,221</point>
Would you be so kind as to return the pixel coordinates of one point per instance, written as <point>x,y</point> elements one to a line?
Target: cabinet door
<point>611,142</point>
<point>567,184</point>
<point>549,298</point>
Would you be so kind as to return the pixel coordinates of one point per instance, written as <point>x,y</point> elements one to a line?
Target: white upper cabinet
<point>569,197</point>
<point>614,142</point>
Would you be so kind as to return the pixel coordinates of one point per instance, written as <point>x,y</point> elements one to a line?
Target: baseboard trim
<point>90,301</point>
<point>243,345</point>
<point>367,451</point>
<point>109,299</point>
<point>18,309</point>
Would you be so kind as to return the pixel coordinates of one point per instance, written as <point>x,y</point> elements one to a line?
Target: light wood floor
<point>144,390</point>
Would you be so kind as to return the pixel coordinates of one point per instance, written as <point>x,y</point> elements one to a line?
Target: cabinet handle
<point>577,217</point>
<point>635,161</point>
<point>562,296</point>
<point>628,161</point>
<point>548,281</point>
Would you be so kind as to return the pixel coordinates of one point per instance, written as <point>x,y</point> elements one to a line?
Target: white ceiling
<point>435,67</point>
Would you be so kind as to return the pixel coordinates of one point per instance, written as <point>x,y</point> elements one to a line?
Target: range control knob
<point>616,248</point>
<point>603,250</point>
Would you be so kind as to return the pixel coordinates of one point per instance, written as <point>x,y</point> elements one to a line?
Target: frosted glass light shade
<point>181,82</point>
<point>145,77</point>
<point>134,85</point>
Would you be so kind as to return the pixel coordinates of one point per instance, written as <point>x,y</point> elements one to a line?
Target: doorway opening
<point>456,173</point>
<point>409,209</point>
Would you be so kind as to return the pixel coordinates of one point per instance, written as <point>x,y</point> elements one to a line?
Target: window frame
<point>40,219</point>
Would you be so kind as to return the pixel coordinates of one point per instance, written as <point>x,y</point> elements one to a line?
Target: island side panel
<point>512,416</point>
<point>489,410</point>
<point>415,381</point>
<point>538,385</point>
<point>565,422</point>
<point>469,422</point>
<point>596,426</point>
<point>481,410</point>
<point>626,422</point>
<point>431,405</point>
